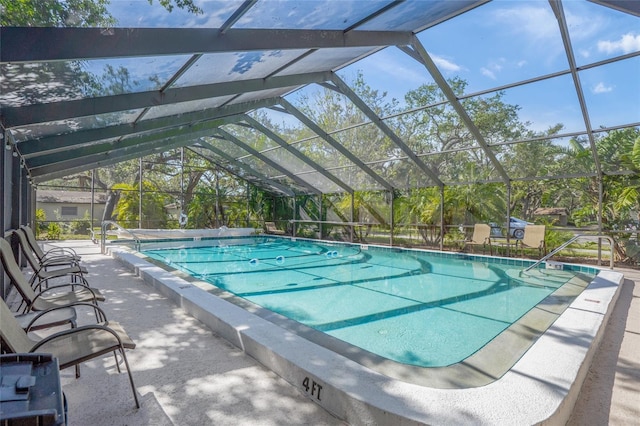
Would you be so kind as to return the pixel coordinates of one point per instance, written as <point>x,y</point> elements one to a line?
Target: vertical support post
<point>320,214</point>
<point>273,208</point>
<point>181,182</point>
<point>508,217</point>
<point>351,218</point>
<point>248,204</point>
<point>294,229</point>
<point>5,197</point>
<point>24,196</point>
<point>93,192</point>
<point>15,202</point>
<point>140,194</point>
<point>391,218</point>
<point>32,206</point>
<point>217,220</point>
<point>600,203</point>
<point>15,191</point>
<point>442,218</point>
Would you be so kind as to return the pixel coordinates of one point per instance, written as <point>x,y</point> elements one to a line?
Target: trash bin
<point>31,391</point>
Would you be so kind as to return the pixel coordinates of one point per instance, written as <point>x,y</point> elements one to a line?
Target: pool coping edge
<point>542,387</point>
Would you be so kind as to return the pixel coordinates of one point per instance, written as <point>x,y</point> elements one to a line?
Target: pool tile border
<point>510,261</point>
<point>541,387</point>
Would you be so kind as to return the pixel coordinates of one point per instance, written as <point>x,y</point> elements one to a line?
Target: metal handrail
<point>103,234</point>
<point>563,246</point>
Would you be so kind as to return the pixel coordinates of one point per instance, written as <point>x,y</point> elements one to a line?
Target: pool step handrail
<point>103,234</point>
<point>564,245</point>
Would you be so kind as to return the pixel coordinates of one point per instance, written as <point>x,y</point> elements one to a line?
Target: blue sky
<point>504,42</point>
<point>498,43</point>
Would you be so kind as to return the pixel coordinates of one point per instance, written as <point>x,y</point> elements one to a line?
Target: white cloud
<point>628,43</point>
<point>492,69</point>
<point>445,64</point>
<point>390,68</point>
<point>601,88</point>
<point>537,22</point>
<point>530,27</point>
<point>582,24</point>
<point>488,73</point>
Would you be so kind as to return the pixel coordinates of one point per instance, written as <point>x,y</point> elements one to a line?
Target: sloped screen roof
<point>77,98</point>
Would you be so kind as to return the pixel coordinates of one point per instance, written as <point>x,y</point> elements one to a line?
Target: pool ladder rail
<point>567,243</point>
<point>103,234</point>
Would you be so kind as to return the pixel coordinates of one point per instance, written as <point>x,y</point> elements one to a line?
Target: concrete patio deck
<point>186,375</point>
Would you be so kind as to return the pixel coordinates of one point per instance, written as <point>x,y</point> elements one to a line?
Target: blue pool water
<point>414,307</point>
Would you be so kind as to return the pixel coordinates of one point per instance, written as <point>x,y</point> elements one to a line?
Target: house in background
<point>557,215</point>
<point>70,205</point>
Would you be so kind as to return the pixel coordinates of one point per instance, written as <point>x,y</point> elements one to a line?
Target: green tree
<point>334,112</point>
<point>619,153</point>
<point>369,207</point>
<point>39,221</point>
<point>71,13</point>
<point>629,160</point>
<point>154,214</point>
<point>439,129</point>
<point>464,205</point>
<point>55,13</point>
<point>202,209</point>
<point>452,153</point>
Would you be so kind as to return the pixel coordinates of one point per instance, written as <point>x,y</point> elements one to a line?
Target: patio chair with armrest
<point>42,270</point>
<point>56,316</point>
<point>71,347</point>
<point>52,317</point>
<point>481,237</point>
<point>55,257</point>
<point>50,297</point>
<point>534,237</point>
<point>271,229</point>
<point>54,252</point>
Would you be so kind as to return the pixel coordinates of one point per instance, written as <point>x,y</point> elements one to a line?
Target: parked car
<point>516,227</point>
<point>496,229</point>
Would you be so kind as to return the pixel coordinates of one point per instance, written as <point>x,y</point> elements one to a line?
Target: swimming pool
<point>417,308</point>
<point>530,373</point>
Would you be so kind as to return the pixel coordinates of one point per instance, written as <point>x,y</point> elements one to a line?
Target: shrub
<point>81,226</point>
<point>53,231</point>
<point>39,223</point>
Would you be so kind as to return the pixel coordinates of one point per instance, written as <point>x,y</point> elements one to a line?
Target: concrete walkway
<point>188,376</point>
<point>611,392</point>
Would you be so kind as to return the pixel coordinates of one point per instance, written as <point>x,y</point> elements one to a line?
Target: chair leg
<point>133,386</point>
<point>115,355</point>
<point>74,325</point>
